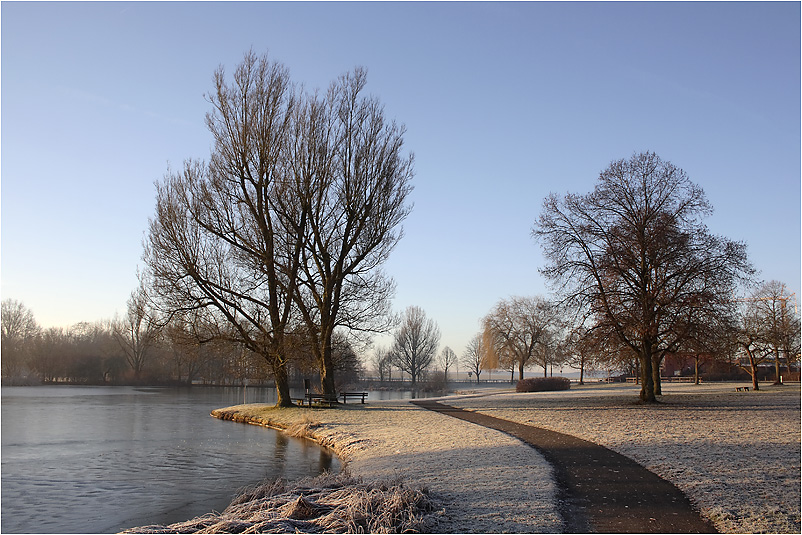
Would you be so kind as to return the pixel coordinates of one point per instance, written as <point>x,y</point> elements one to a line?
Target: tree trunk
<point>755,385</point>
<point>647,379</point>
<point>777,368</point>
<point>521,371</point>
<point>696,370</point>
<point>658,383</point>
<point>327,372</point>
<point>284,399</point>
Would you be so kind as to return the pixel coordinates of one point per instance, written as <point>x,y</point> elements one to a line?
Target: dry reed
<point>328,503</point>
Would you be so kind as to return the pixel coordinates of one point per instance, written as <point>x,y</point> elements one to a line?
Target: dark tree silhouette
<point>635,254</point>
<point>285,229</point>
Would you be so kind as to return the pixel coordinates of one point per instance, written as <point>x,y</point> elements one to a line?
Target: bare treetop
<point>636,256</point>
<point>286,228</point>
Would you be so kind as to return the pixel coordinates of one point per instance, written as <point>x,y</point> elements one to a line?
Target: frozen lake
<point>102,459</point>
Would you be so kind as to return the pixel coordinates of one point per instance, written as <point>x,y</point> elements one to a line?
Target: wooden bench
<point>319,400</point>
<point>742,389</point>
<point>346,395</point>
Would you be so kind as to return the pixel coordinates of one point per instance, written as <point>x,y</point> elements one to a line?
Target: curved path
<point>601,491</point>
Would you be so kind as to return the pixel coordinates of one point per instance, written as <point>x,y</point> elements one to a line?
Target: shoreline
<point>298,427</point>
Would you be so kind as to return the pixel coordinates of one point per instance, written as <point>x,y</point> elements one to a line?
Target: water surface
<point>103,459</point>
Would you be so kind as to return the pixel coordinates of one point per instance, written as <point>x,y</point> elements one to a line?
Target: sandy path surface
<point>488,482</point>
<point>736,455</point>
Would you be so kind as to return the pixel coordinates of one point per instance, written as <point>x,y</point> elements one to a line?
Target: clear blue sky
<point>503,103</point>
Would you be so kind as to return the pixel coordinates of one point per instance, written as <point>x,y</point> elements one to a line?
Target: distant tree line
<point>132,351</point>
<point>760,341</point>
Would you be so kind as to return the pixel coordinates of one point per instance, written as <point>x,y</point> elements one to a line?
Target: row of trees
<point>276,243</point>
<point>414,350</point>
<point>135,350</point>
<point>520,333</point>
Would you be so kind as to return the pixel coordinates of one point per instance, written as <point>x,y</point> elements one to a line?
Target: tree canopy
<point>636,256</point>
<point>284,230</point>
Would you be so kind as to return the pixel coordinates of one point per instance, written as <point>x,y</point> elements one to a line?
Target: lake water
<point>103,459</point>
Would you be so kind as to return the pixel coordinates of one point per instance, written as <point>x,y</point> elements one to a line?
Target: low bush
<point>543,384</point>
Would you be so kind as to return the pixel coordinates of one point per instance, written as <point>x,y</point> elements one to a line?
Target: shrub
<point>543,384</point>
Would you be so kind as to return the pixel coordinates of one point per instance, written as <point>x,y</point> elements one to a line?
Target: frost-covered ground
<point>488,482</point>
<point>735,454</point>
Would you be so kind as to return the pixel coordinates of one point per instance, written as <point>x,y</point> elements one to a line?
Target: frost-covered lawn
<point>488,482</point>
<point>735,454</point>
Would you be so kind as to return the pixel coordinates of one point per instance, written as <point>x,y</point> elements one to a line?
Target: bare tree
<point>19,330</point>
<point>137,332</point>
<point>752,339</point>
<point>768,328</point>
<point>381,361</point>
<point>447,359</point>
<point>476,356</point>
<point>582,348</point>
<point>415,343</point>
<point>636,256</point>
<point>521,329</point>
<point>780,323</point>
<point>216,244</point>
<point>351,178</point>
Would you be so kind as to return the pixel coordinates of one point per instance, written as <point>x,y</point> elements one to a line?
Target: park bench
<point>318,400</point>
<point>742,389</point>
<point>346,395</point>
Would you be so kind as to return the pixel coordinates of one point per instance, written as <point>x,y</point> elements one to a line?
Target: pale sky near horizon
<point>503,103</point>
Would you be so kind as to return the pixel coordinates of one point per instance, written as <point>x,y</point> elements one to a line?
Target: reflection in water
<point>102,459</point>
<point>280,450</point>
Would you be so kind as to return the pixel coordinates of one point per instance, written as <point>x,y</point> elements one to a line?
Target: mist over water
<point>103,459</point>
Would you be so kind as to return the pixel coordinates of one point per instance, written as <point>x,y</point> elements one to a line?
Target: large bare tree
<point>636,255</point>
<point>216,244</point>
<point>352,179</point>
<point>415,343</point>
<point>288,224</point>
